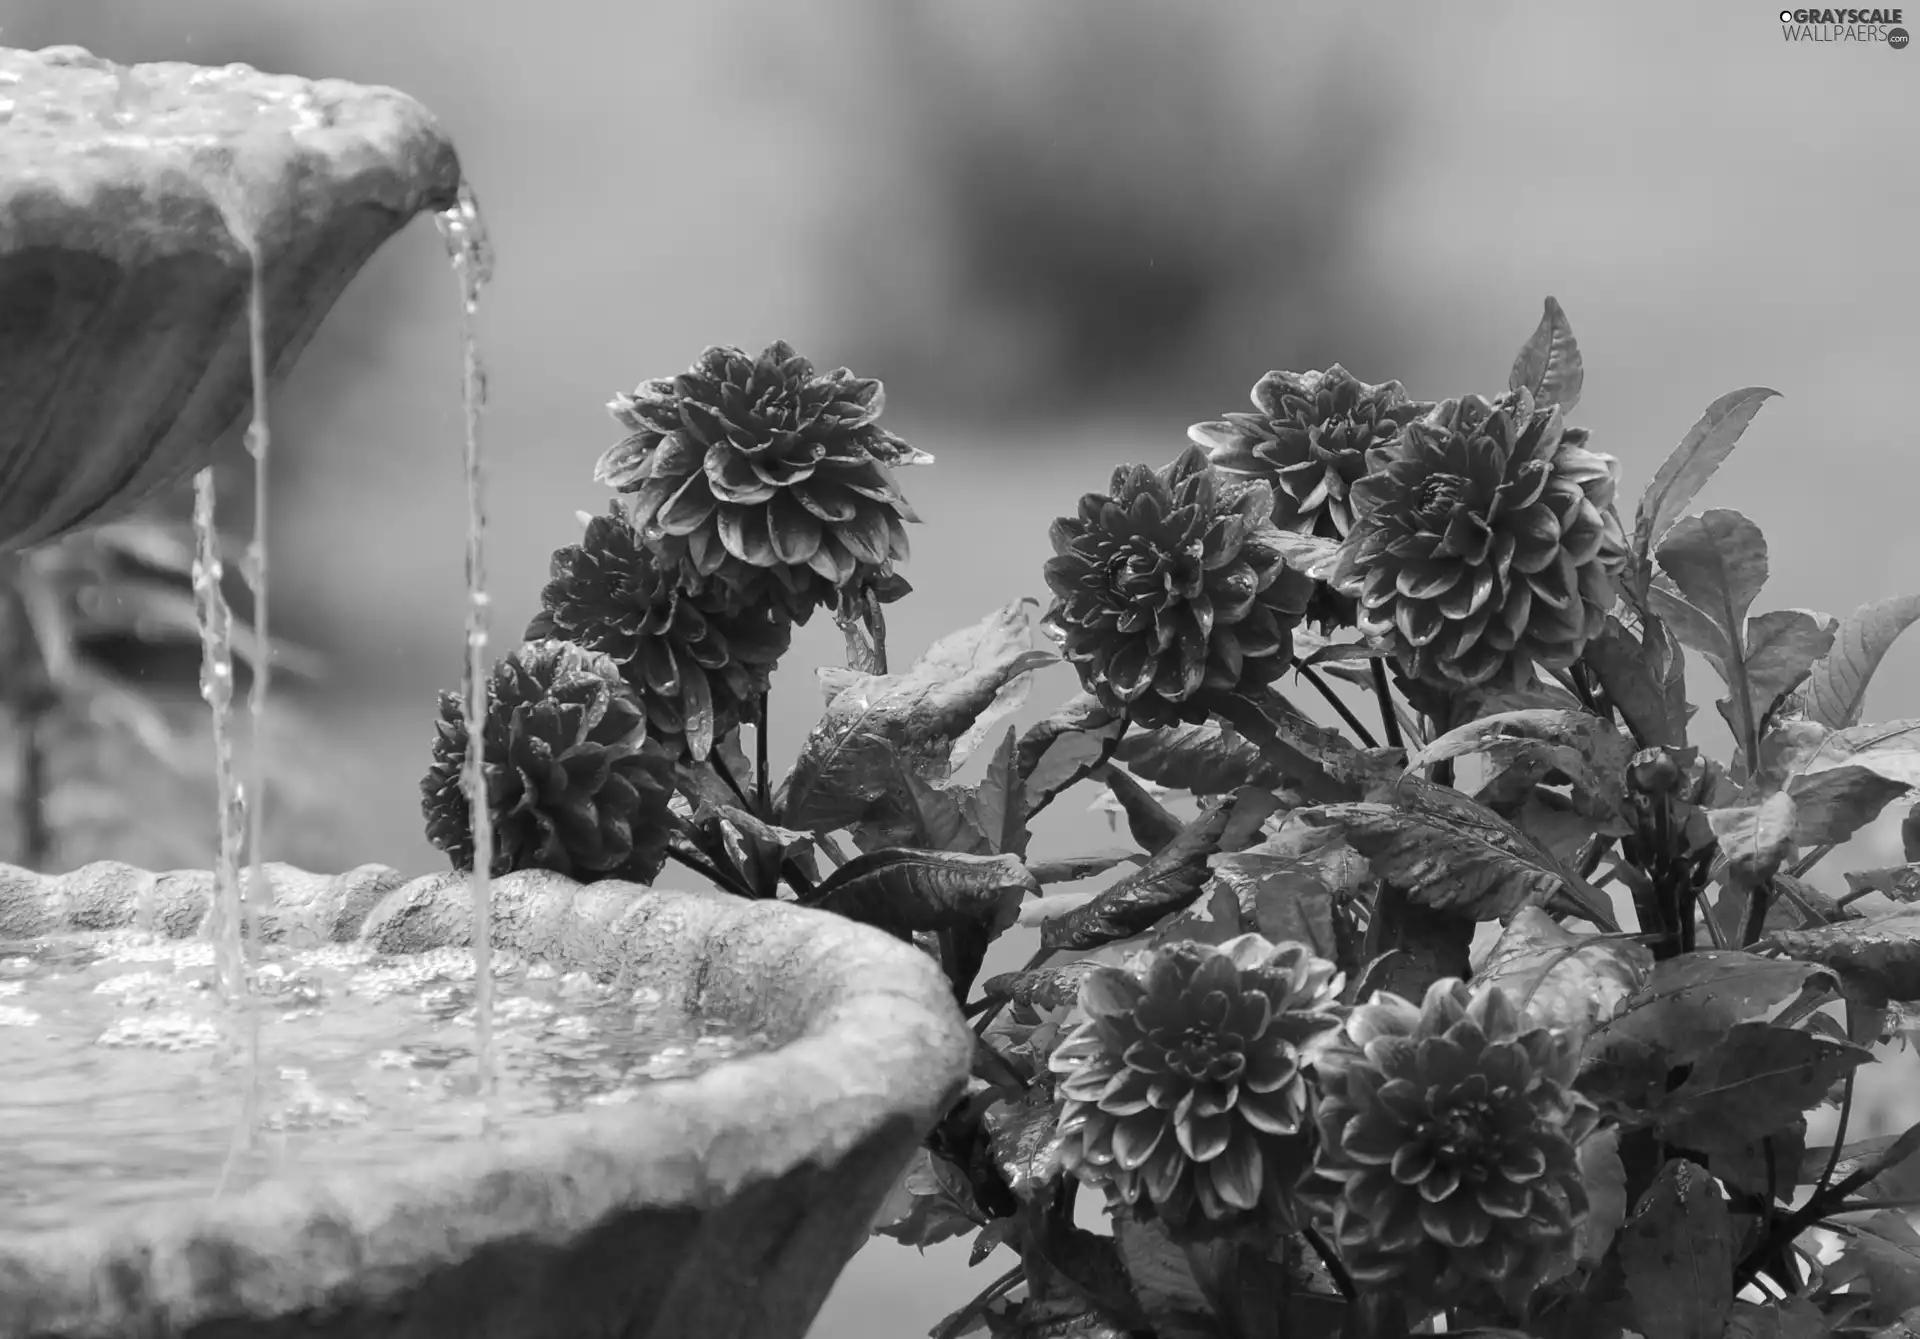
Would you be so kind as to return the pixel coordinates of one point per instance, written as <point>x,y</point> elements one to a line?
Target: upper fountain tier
<point>129,197</point>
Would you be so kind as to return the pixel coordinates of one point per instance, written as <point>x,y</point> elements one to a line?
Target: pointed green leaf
<point>907,890</point>
<point>1588,753</point>
<point>1320,762</point>
<point>1837,690</point>
<point>1888,1251</point>
<point>943,820</point>
<point>1881,952</point>
<point>1695,998</point>
<point>1147,819</point>
<point>1887,1168</point>
<point>1793,1318</point>
<point>1171,880</point>
<point>1692,463</point>
<point>1213,919</point>
<point>1718,563</point>
<point>1041,987</point>
<point>1163,1279</point>
<point>1063,749</point>
<point>1549,366</point>
<point>1644,679</point>
<point>1605,1179</point>
<point>1831,806</point>
<point>1892,750</point>
<point>1677,1253</point>
<point>931,1203</point>
<point>1000,803</point>
<point>1020,1139</point>
<point>1451,854</point>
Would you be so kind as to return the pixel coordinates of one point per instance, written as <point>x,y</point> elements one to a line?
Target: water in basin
<point>122,1076</point>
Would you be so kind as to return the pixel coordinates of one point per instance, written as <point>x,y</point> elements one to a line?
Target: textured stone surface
<point>713,1207</point>
<point>127,196</point>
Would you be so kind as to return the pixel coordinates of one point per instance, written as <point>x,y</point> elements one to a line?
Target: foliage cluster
<point>1266,1043</point>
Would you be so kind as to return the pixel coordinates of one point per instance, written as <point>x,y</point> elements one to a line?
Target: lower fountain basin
<point>723,1204</point>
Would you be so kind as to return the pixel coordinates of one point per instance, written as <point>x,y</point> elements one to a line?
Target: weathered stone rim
<point>875,1044</point>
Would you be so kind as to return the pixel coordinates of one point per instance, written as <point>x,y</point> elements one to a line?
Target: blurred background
<point>1060,233</point>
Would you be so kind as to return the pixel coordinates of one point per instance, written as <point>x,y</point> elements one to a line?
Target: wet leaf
<point>990,1239</point>
<point>1900,882</point>
<point>1718,561</point>
<point>1567,980</point>
<point>1755,1079</point>
<point>1889,1253</point>
<point>1147,819</point>
<point>1830,806</point>
<point>1745,1166</point>
<point>1694,999</point>
<point>1205,759</point>
<point>1320,762</point>
<point>1695,629</point>
<point>1905,1326</point>
<point>1549,366</point>
<point>1171,880</point>
<point>1680,478</point>
<point>1069,869</point>
<point>1890,1166</point>
<point>1605,1179</point>
<point>904,890</point>
<point>942,817</point>
<point>1795,1318</point>
<point>1755,838</point>
<point>1056,752</point>
<point>1021,1138</point>
<point>932,1202</point>
<point>1454,855</point>
<point>1677,1253</point>
<point>1836,692</point>
<point>1213,920</point>
<point>1880,953</point>
<point>1283,897</point>
<point>848,761</point>
<point>1041,987</point>
<point>1588,752</point>
<point>1644,680</point>
<point>1000,804</point>
<point>1163,1280</point>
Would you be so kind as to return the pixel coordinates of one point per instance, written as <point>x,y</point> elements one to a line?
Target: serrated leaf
<point>1587,752</point>
<point>1549,366</point>
<point>906,890</point>
<point>934,1202</point>
<point>1677,1254</point>
<point>1319,761</point>
<point>1283,897</point>
<point>1832,805</point>
<point>1202,758</point>
<point>1147,819</point>
<point>1453,855</point>
<point>1171,880</point>
<point>1754,837</point>
<point>1782,649</point>
<point>1694,628</point>
<point>1012,696</point>
<point>1718,562</point>
<point>1752,1081</point>
<point>1213,919</point>
<point>848,761</point>
<point>1563,979</point>
<point>1605,1179</point>
<point>1679,479</point>
<point>943,821</point>
<point>1881,953</point>
<point>1836,691</point>
<point>1063,757</point>
<point>1900,882</point>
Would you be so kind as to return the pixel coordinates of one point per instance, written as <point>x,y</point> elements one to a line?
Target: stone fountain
<point>138,205</point>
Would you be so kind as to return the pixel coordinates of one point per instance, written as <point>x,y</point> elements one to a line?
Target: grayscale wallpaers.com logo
<point>1844,25</point>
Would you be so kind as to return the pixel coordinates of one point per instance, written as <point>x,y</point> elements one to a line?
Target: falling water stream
<point>472,255</point>
<point>234,917</point>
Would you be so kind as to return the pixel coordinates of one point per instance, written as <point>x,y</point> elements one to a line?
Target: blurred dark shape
<point>1116,207</point>
<point>110,754</point>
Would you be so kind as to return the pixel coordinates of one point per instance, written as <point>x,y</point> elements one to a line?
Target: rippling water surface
<point>122,1089</point>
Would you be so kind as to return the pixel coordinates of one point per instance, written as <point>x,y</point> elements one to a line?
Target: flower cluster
<point>572,782</point>
<point>1448,1138</point>
<point>1184,1091</point>
<point>1170,589</point>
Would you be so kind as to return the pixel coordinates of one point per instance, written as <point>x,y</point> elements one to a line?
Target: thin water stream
<point>471,253</point>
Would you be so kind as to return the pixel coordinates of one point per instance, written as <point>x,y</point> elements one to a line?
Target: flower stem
<point>1389,722</point>
<point>761,783</point>
<point>1336,1267</point>
<point>1325,689</point>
